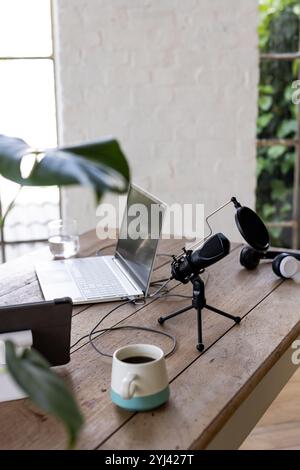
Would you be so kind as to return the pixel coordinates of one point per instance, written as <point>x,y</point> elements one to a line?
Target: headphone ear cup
<point>276,264</point>
<point>285,265</point>
<point>249,258</point>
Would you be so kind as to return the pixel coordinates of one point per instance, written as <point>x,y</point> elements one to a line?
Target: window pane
<point>277,113</point>
<point>14,251</point>
<point>34,208</point>
<point>28,111</point>
<point>279,26</point>
<point>25,28</point>
<point>281,237</point>
<point>274,194</point>
<point>27,101</point>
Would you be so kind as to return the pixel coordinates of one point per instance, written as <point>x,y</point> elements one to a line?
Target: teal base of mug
<point>145,403</point>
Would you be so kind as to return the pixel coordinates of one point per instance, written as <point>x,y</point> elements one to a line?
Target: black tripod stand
<point>199,302</point>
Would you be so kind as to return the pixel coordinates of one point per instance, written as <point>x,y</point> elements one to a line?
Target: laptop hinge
<point>127,275</point>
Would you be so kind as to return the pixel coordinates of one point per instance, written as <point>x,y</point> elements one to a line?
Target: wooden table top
<point>206,388</point>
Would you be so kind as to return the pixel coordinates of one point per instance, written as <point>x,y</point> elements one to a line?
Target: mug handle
<point>128,386</point>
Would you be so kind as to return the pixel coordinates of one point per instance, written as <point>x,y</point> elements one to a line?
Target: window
<point>278,127</point>
<point>27,110</point>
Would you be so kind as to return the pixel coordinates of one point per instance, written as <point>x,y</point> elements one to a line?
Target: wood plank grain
<point>90,374</point>
<point>18,284</point>
<point>206,394</point>
<point>20,272</point>
<point>18,280</point>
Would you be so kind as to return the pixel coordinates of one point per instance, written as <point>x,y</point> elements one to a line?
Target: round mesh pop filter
<point>252,229</point>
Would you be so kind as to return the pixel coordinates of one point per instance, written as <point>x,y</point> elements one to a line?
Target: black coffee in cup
<point>138,359</point>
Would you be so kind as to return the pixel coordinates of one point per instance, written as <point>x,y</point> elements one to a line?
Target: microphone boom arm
<point>234,201</point>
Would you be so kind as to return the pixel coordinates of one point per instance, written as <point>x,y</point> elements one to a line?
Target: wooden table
<point>216,397</point>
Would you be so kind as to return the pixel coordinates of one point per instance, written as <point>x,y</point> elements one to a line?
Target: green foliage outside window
<point>277,118</point>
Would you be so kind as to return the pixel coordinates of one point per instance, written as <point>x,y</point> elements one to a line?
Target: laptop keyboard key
<point>95,279</point>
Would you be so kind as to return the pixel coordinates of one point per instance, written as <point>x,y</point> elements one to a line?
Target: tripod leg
<point>161,320</point>
<point>224,314</point>
<point>200,345</point>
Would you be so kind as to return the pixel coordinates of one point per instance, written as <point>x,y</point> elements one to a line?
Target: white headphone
<point>285,265</point>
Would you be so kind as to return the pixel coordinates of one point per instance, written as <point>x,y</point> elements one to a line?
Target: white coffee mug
<point>139,379</point>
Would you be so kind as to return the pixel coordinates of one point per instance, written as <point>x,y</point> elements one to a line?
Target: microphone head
<point>216,245</point>
<point>214,249</point>
<point>252,229</point>
<point>192,263</point>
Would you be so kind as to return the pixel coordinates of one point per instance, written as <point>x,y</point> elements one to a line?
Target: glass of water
<point>63,238</point>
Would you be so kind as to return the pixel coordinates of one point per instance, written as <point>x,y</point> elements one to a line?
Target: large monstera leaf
<point>99,164</point>
<point>45,388</point>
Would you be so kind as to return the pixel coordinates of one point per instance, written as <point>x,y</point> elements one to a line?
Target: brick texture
<point>176,82</point>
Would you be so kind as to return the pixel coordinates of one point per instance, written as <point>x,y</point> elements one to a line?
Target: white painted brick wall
<point>176,82</point>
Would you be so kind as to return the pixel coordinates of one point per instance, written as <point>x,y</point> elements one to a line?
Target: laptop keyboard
<point>95,279</point>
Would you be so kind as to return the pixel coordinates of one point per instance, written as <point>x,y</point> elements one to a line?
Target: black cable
<point>162,286</point>
<point>159,281</point>
<point>105,316</point>
<point>109,313</point>
<point>133,327</point>
<point>142,328</point>
<point>160,296</point>
<point>164,254</point>
<point>174,295</point>
<point>135,302</point>
<point>104,248</point>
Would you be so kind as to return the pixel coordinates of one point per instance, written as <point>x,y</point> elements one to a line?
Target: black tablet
<point>50,323</point>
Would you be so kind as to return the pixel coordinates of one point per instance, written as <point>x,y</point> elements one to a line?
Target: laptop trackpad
<point>57,282</point>
<point>58,276</point>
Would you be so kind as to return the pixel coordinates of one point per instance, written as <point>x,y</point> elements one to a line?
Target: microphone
<point>188,267</point>
<point>192,262</point>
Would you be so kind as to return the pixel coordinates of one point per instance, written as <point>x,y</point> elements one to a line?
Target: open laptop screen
<point>139,235</point>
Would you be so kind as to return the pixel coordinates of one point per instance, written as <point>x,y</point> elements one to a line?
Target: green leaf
<point>100,164</point>
<point>265,102</point>
<point>288,94</point>
<point>264,120</point>
<point>287,128</point>
<point>268,211</point>
<point>265,164</point>
<point>45,388</point>
<point>266,89</point>
<point>276,151</point>
<point>286,208</point>
<point>260,166</point>
<point>279,190</point>
<point>276,232</point>
<point>296,66</point>
<point>288,162</point>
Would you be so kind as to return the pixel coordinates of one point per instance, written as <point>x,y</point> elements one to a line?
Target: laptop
<point>124,275</point>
